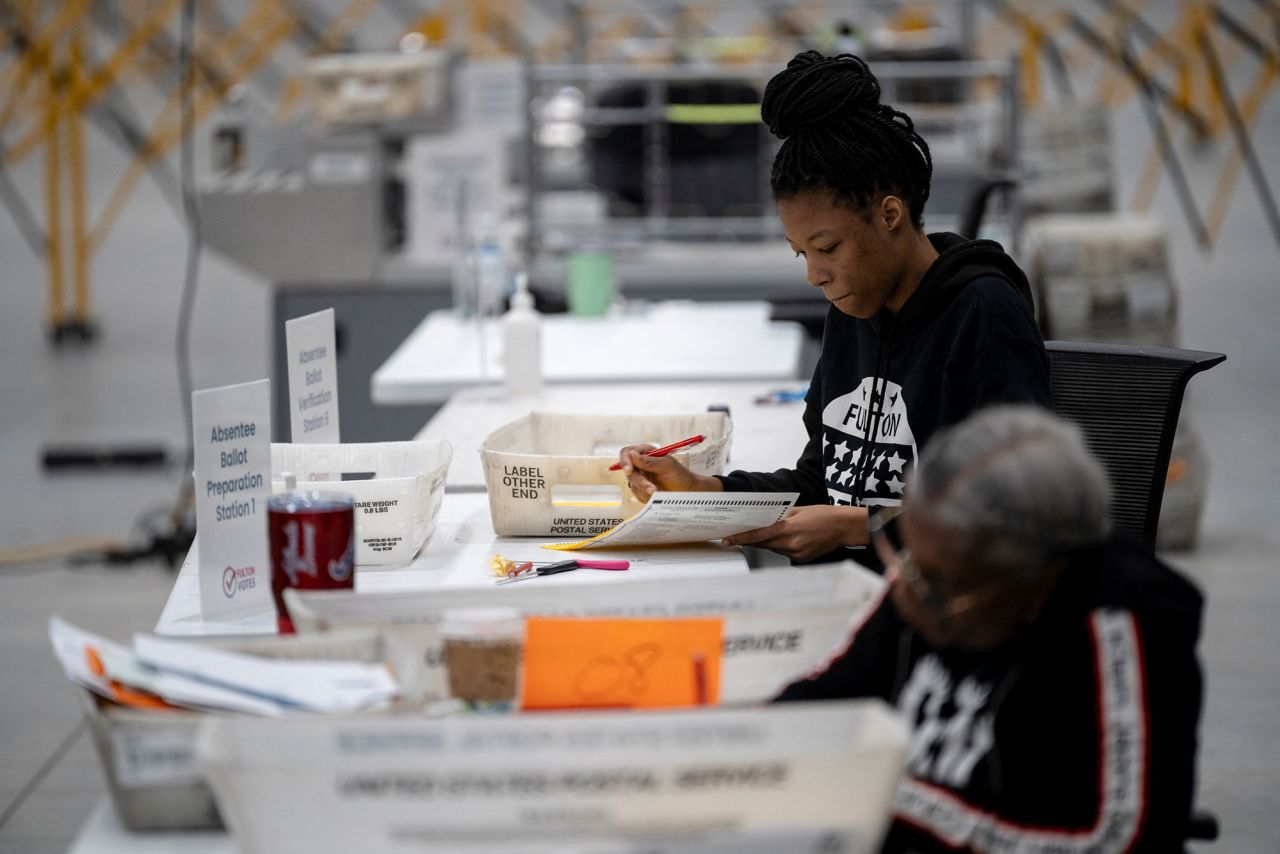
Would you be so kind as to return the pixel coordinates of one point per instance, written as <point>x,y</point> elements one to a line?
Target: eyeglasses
<point>946,600</point>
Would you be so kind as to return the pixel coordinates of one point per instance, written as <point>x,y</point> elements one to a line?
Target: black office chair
<point>1126,399</point>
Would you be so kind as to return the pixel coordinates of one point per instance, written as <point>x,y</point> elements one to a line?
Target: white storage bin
<point>397,499</point>
<point>548,474</point>
<point>148,758</point>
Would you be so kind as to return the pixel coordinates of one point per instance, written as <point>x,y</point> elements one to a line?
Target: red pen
<point>666,449</point>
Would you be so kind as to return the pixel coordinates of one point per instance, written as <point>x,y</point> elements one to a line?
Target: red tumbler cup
<point>313,545</point>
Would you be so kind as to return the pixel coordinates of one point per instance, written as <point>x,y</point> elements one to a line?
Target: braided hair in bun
<point>837,136</point>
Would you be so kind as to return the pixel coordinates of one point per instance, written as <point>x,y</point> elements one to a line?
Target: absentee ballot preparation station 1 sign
<point>232,441</point>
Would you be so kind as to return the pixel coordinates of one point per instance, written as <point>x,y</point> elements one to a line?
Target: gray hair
<point>1016,485</point>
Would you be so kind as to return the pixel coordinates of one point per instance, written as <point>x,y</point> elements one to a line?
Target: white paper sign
<point>232,440</point>
<point>453,181</point>
<point>313,378</point>
<point>490,95</point>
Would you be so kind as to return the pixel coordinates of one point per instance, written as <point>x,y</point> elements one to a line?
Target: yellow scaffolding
<point>49,84</point>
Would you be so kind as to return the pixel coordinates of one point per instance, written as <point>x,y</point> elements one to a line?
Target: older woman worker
<point>1047,670</point>
<point>922,329</point>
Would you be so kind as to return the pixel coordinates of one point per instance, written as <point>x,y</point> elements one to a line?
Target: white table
<point>103,833</point>
<point>765,436</point>
<point>663,342</point>
<point>456,557</point>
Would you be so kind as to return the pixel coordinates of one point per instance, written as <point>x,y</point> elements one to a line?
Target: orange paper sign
<point>633,663</point>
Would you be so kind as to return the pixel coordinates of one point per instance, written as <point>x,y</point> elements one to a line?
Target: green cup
<point>589,289</point>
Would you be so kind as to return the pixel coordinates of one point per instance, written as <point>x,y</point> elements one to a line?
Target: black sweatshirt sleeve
<point>806,477</point>
<point>864,668</point>
<point>998,351</point>
<point>1173,699</point>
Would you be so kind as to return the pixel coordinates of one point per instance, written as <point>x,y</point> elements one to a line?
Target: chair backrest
<point>1126,399</point>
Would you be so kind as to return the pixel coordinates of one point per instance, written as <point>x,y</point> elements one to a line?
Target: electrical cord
<point>69,547</point>
<point>186,167</point>
<point>153,534</point>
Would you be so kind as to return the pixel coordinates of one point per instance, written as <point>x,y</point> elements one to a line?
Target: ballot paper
<point>72,646</point>
<point>200,677</point>
<point>118,673</point>
<point>690,517</point>
<point>320,686</point>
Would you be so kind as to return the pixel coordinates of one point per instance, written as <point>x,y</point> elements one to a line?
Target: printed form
<point>690,517</point>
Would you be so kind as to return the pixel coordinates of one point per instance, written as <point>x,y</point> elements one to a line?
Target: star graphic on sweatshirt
<point>840,451</point>
<point>895,462</point>
<point>843,479</point>
<point>895,485</point>
<point>832,471</point>
<point>873,483</point>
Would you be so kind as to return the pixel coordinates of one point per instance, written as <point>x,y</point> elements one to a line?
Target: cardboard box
<point>1103,277</point>
<point>368,87</point>
<point>547,474</point>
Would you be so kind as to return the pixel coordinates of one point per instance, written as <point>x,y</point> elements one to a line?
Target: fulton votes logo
<point>234,579</point>
<point>892,450</point>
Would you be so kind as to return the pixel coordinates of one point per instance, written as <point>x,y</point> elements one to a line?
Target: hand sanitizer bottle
<point>522,342</point>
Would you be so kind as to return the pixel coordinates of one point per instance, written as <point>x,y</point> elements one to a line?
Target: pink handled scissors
<point>567,566</point>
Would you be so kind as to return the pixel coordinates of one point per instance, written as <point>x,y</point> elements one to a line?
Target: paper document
<point>322,686</point>
<point>72,646</point>
<point>690,517</point>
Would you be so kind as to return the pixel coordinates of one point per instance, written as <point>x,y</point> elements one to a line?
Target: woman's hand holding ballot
<point>648,474</point>
<point>809,532</point>
<point>804,534</point>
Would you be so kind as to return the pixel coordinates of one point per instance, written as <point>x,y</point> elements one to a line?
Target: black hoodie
<point>966,339</point>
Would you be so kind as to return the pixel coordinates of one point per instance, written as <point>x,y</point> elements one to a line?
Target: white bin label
<point>162,757</point>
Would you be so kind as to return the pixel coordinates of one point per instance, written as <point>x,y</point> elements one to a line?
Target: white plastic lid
<point>482,623</point>
<point>522,299</point>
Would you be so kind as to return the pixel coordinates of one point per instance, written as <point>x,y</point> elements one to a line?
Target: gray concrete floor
<point>124,388</point>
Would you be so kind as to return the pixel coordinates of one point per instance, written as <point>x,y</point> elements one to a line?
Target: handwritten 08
<point>628,663</point>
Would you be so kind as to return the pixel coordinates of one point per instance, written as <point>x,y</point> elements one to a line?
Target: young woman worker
<point>922,329</point>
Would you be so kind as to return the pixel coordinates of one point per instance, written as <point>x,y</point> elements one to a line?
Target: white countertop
<point>456,557</point>
<point>103,833</point>
<point>670,341</point>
